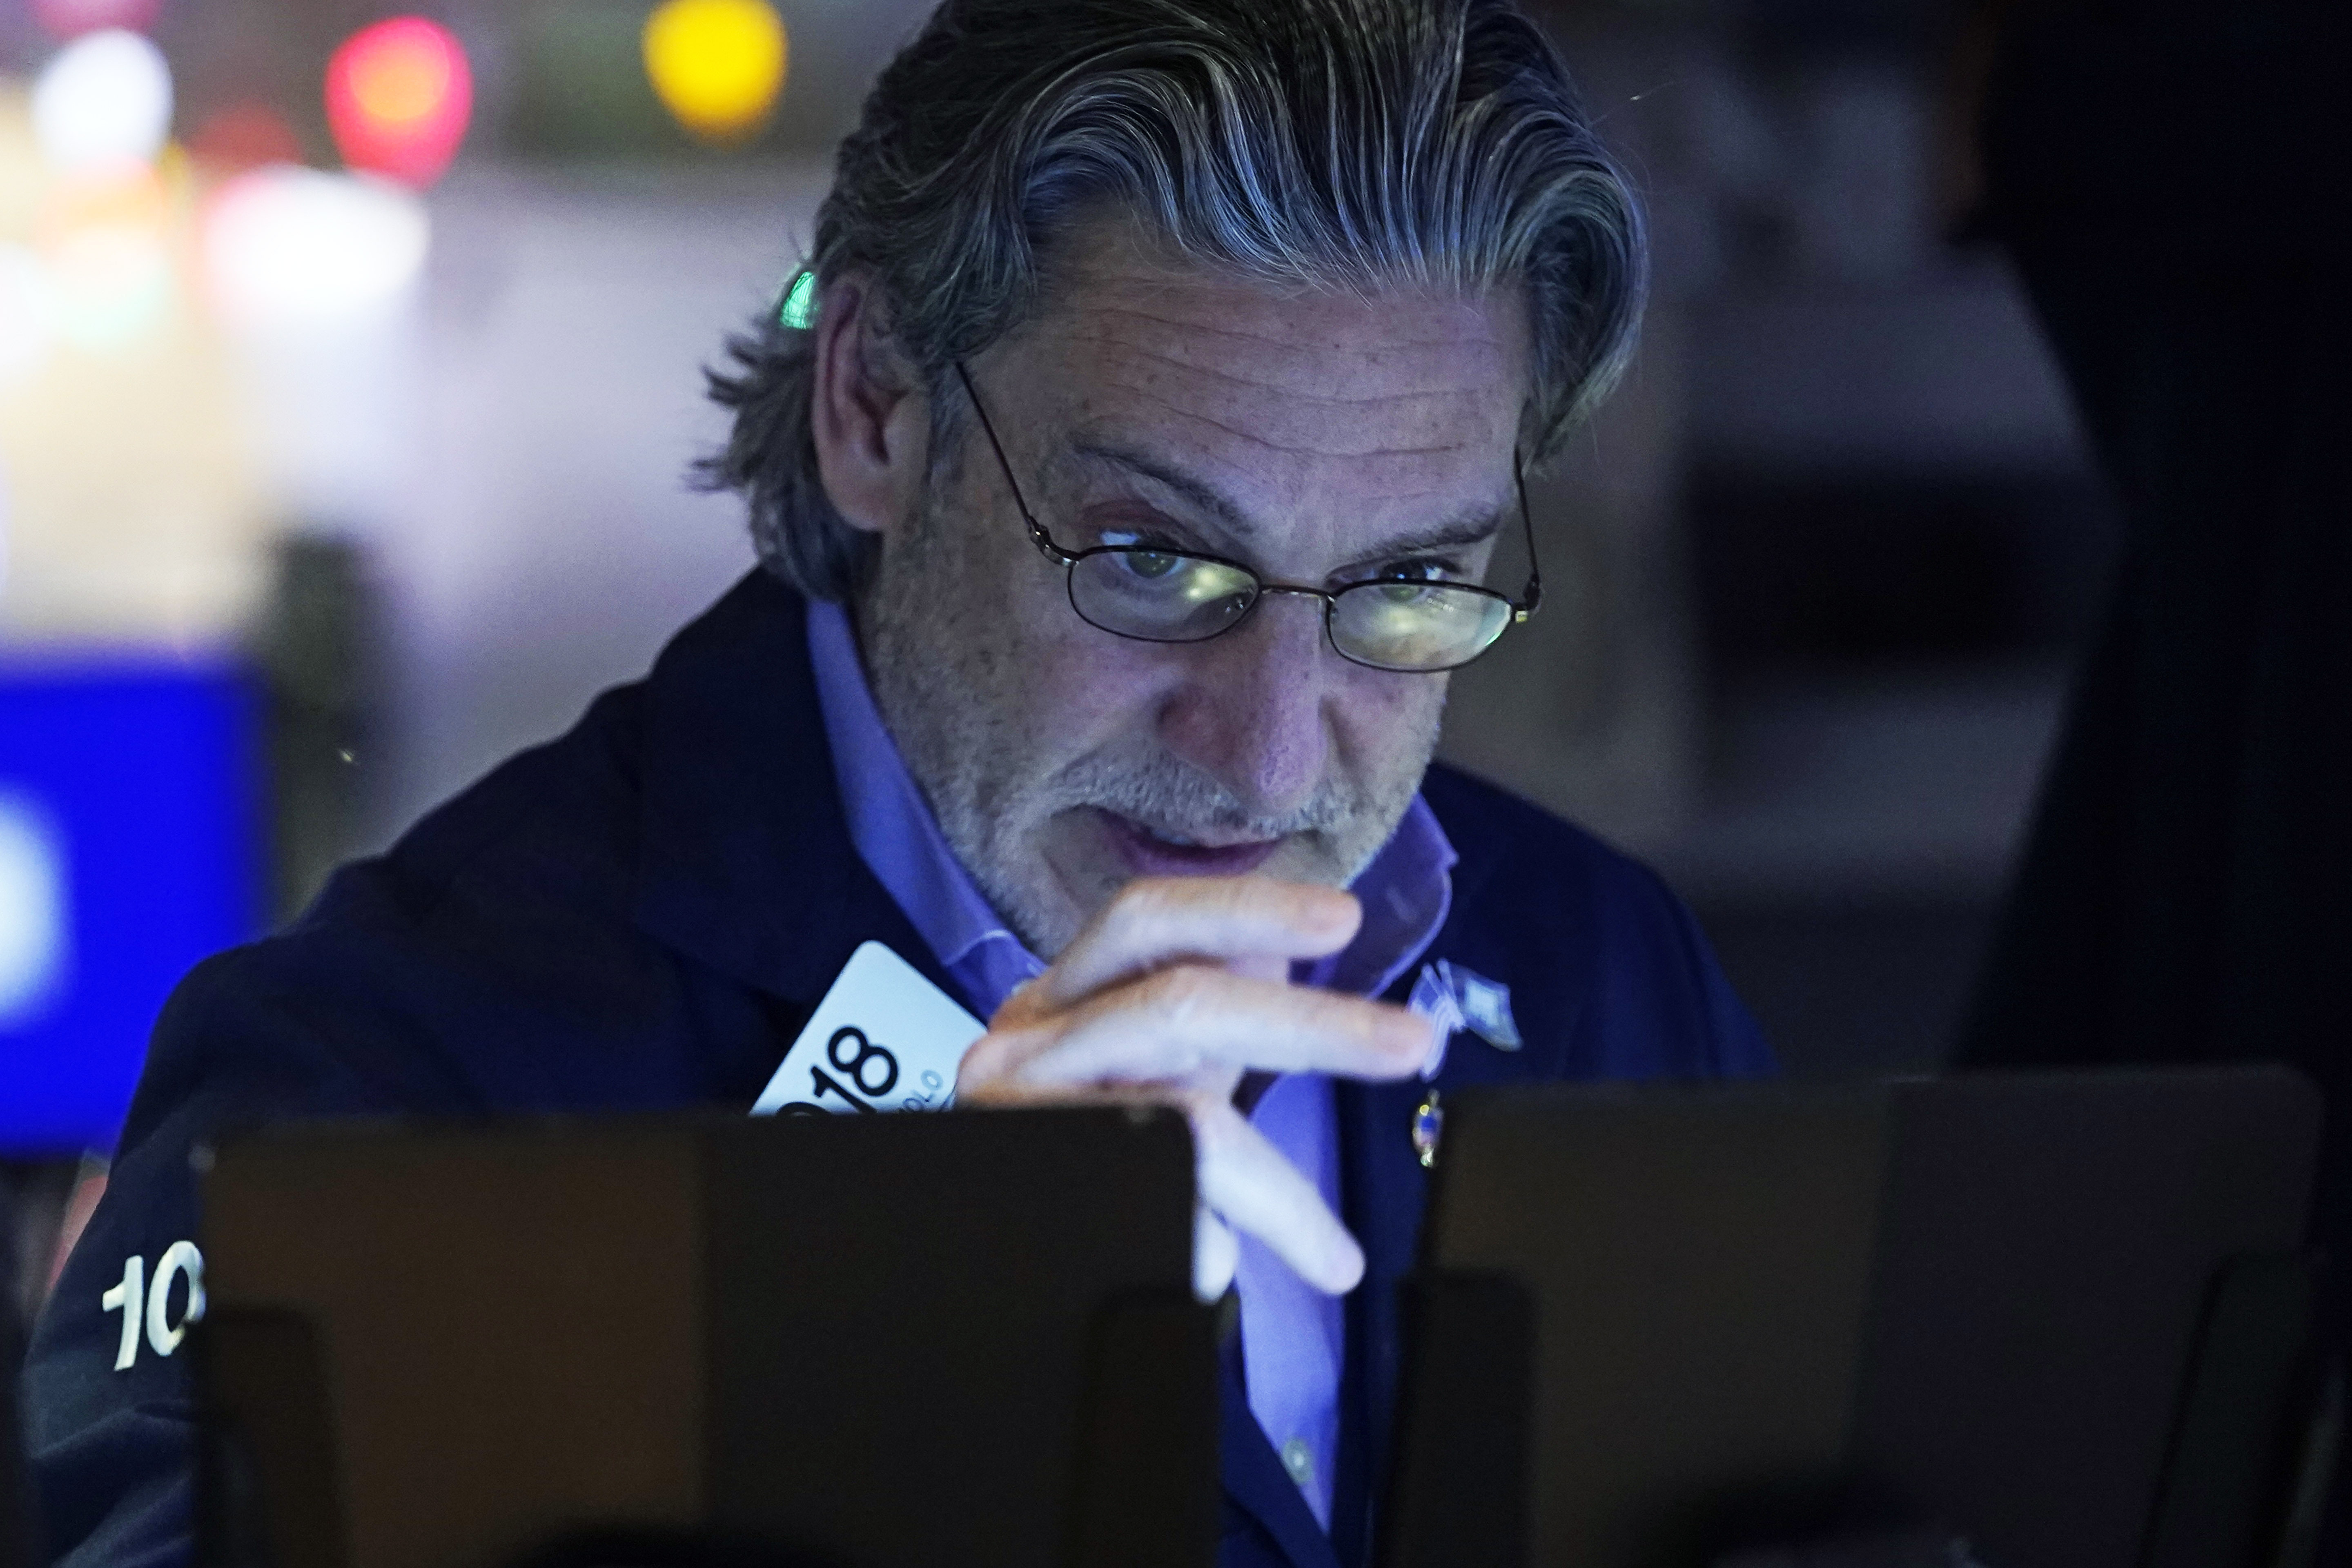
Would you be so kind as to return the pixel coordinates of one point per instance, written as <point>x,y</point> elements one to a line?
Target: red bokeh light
<point>244,136</point>
<point>398,96</point>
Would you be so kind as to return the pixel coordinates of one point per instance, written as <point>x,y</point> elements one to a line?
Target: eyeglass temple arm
<point>1531,595</point>
<point>1037,534</point>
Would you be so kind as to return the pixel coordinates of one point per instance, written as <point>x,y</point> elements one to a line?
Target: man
<point>1123,481</point>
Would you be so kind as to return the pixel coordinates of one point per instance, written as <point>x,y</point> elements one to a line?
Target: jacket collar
<point>745,858</point>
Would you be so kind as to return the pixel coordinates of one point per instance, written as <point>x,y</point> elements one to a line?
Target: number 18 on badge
<point>884,1038</point>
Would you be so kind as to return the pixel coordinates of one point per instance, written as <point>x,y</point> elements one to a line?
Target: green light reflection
<point>799,309</point>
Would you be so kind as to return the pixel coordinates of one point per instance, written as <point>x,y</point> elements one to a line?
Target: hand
<point>1171,994</point>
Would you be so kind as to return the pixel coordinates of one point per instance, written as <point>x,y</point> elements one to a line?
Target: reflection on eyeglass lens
<point>1161,595</point>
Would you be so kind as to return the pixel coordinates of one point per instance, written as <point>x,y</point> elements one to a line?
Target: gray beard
<point>946,690</point>
<point>1158,791</point>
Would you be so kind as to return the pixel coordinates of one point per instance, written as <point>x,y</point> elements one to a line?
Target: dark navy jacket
<point>640,915</point>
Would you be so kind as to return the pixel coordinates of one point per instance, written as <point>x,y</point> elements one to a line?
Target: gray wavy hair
<point>1352,144</point>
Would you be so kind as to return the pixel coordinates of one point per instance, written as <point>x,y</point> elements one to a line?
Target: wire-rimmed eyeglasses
<point>1152,593</point>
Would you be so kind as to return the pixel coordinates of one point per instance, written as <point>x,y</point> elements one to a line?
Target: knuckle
<point>1208,1112</point>
<point>1183,992</point>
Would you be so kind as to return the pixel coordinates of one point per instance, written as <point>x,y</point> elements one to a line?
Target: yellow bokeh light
<point>718,65</point>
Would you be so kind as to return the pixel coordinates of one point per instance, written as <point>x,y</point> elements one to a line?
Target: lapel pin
<point>1462,998</point>
<point>1428,1121</point>
<point>1486,1007</point>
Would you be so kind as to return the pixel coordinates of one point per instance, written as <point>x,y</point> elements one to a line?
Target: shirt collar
<point>897,835</point>
<point>1406,890</point>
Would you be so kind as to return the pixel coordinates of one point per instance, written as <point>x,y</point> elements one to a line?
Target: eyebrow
<point>1453,535</point>
<point>1204,497</point>
<point>1445,536</point>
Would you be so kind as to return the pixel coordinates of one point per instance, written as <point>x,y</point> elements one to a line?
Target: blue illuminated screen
<point>129,848</point>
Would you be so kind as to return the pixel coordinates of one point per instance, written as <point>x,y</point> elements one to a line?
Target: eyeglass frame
<point>1531,596</point>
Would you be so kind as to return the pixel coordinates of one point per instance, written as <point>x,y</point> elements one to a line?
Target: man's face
<point>1318,438</point>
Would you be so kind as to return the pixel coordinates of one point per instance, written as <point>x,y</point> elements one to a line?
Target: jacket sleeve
<point>108,1415</point>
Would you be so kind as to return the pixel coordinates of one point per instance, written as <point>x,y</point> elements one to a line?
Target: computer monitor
<point>1970,1304</point>
<point>877,1341</point>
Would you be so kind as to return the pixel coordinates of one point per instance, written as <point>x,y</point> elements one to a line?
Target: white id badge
<point>884,1038</point>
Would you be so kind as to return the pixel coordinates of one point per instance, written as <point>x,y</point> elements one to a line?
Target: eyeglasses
<point>1152,593</point>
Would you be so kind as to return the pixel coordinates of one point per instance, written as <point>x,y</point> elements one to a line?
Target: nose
<point>1251,711</point>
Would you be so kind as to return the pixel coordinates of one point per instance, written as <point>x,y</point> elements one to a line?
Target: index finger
<point>1190,1019</point>
<point>1159,920</point>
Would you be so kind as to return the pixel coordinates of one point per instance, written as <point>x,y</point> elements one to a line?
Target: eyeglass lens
<point>1162,596</point>
<point>1416,625</point>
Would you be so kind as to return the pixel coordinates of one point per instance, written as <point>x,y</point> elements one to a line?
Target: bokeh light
<point>72,18</point>
<point>104,234</point>
<point>244,136</point>
<point>106,98</point>
<point>33,923</point>
<point>717,65</point>
<point>398,96</point>
<point>28,315</point>
<point>286,246</point>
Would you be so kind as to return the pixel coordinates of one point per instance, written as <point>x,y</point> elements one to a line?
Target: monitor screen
<point>130,847</point>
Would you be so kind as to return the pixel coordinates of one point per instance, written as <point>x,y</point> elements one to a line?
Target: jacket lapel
<point>1384,1193</point>
<point>1383,1190</point>
<point>745,861</point>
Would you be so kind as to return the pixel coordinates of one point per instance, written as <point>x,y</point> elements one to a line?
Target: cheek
<point>1386,723</point>
<point>1088,686</point>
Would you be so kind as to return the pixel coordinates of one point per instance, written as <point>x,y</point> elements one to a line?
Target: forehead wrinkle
<point>1124,375</point>
<point>1253,438</point>
<point>1093,445</point>
<point>1388,357</point>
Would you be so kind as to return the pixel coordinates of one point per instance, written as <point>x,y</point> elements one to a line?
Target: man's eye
<point>1145,562</point>
<point>1151,564</point>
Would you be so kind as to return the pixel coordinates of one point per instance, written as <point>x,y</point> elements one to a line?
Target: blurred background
<point>349,368</point>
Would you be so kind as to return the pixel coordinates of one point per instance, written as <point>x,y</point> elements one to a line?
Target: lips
<point>1147,855</point>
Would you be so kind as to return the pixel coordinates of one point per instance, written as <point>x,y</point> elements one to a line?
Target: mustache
<point>1167,794</point>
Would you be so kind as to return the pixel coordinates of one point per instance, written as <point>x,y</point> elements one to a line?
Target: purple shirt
<point>1294,1337</point>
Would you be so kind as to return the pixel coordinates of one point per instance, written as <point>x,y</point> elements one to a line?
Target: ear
<point>866,415</point>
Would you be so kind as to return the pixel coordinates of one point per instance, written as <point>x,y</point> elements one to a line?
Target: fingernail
<point>1425,1048</point>
<point>1433,1062</point>
<point>1345,1270</point>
